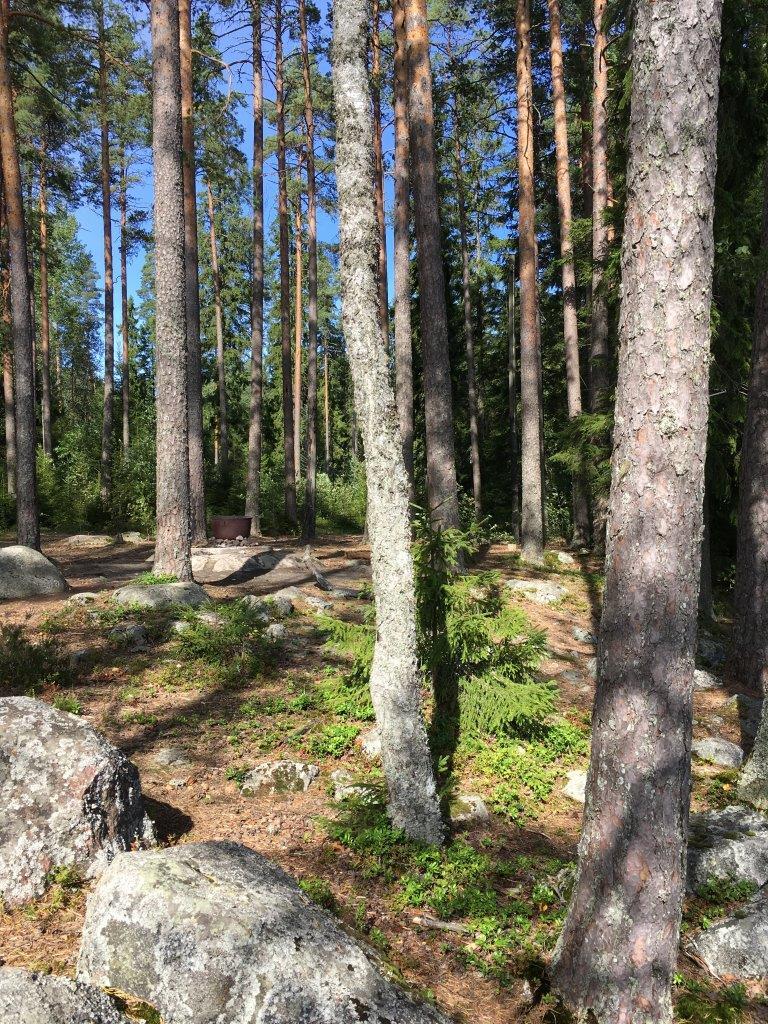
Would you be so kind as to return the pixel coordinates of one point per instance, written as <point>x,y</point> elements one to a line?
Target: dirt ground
<point>147,700</point>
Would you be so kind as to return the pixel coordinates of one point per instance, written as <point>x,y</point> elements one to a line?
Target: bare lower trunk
<point>285,284</point>
<point>27,523</point>
<point>109,298</point>
<point>442,490</point>
<point>532,525</point>
<point>395,674</point>
<point>192,286</point>
<point>402,254</point>
<point>378,156</point>
<point>218,313</point>
<point>514,442</point>
<point>253,479</point>
<point>172,548</point>
<point>570,300</point>
<point>298,330</point>
<point>327,410</point>
<point>750,633</point>
<point>706,605</point>
<point>308,531</point>
<point>125,369</point>
<point>599,352</point>
<point>45,316</point>
<point>616,956</point>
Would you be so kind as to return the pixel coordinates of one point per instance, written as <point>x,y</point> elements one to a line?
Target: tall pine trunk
<point>27,522</point>
<point>395,674</point>
<point>532,524</point>
<point>218,314</point>
<point>109,296</point>
<point>570,299</point>
<point>191,284</point>
<point>402,253</point>
<point>750,634</point>
<point>599,352</point>
<point>7,354</point>
<point>327,409</point>
<point>125,371</point>
<point>285,282</point>
<point>469,337</point>
<point>442,489</point>
<point>514,440</point>
<point>172,547</point>
<point>378,163</point>
<point>308,532</point>
<point>45,315</point>
<point>253,477</point>
<point>616,956</point>
<point>298,326</point>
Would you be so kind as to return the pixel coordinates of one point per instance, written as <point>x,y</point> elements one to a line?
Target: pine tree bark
<point>27,522</point>
<point>327,409</point>
<point>749,655</point>
<point>514,440</point>
<point>599,351</point>
<point>253,477</point>
<point>125,371</point>
<point>395,675</point>
<point>192,284</point>
<point>298,327</point>
<point>402,251</point>
<point>532,519</point>
<point>570,299</point>
<point>378,157</point>
<point>285,283</point>
<point>172,547</point>
<point>442,489</point>
<point>7,355</point>
<point>45,315</point>
<point>218,314</point>
<point>308,531</point>
<point>109,296</point>
<point>469,337</point>
<point>616,956</point>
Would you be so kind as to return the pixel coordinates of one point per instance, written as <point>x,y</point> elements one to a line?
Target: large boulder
<point>31,998</point>
<point>26,573</point>
<point>161,595</point>
<point>91,540</point>
<point>737,947</point>
<point>216,564</point>
<point>67,798</point>
<point>727,844</point>
<point>216,932</point>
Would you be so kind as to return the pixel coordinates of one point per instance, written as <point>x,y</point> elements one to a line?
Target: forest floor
<point>471,927</point>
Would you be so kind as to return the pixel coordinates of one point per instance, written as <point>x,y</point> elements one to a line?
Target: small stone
<point>84,597</point>
<point>565,559</point>
<point>344,593</point>
<point>181,625</point>
<point>711,651</point>
<point>289,593</point>
<point>737,947</point>
<point>704,680</point>
<point>276,631</point>
<point>179,783</point>
<point>592,668</point>
<point>718,751</point>
<point>370,743</point>
<point>79,658</point>
<point>727,844</point>
<point>280,777</point>
<point>317,603</point>
<point>239,538</point>
<point>469,809</point>
<point>584,636</point>
<point>538,591</point>
<point>344,787</point>
<point>576,786</point>
<point>131,537</point>
<point>210,619</point>
<point>165,757</point>
<point>131,635</point>
<point>161,595</point>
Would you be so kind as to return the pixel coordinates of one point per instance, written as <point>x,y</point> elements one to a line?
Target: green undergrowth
<point>151,579</point>
<point>510,906</point>
<point>716,899</point>
<point>27,667</point>
<point>236,645</point>
<point>698,1003</point>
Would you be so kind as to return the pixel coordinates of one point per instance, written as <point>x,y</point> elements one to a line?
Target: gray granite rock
<point>737,947</point>
<point>26,573</point>
<point>711,651</point>
<point>91,540</point>
<point>27,997</point>
<point>161,595</point>
<point>167,757</point>
<point>67,797</point>
<point>276,631</point>
<point>84,597</point>
<point>584,636</point>
<point>345,786</point>
<point>727,844</point>
<point>215,932</point>
<point>576,786</point>
<point>538,591</point>
<point>469,809</point>
<point>718,751</point>
<point>130,634</point>
<point>370,743</point>
<point>280,777</point>
<point>703,680</point>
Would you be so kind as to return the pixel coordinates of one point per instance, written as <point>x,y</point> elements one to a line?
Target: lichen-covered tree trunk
<point>253,475</point>
<point>22,334</point>
<point>192,286</point>
<point>172,547</point>
<point>289,468</point>
<point>378,154</point>
<point>532,518</point>
<point>749,656</point>
<point>570,300</point>
<point>308,527</point>
<point>7,353</point>
<point>599,352</point>
<point>616,956</point>
<point>109,287</point>
<point>402,252</point>
<point>327,409</point>
<point>298,328</point>
<point>395,675</point>
<point>442,489</point>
